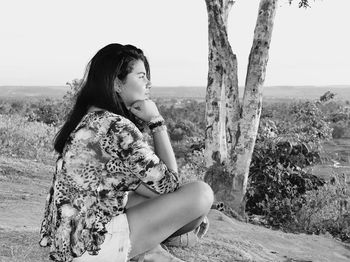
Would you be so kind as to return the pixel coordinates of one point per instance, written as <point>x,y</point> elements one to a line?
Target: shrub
<point>193,167</point>
<point>22,138</point>
<point>277,179</point>
<point>338,131</point>
<point>327,209</point>
<point>45,111</point>
<point>285,146</point>
<point>307,122</point>
<point>70,96</point>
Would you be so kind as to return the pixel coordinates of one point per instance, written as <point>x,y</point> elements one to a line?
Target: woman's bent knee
<point>201,196</point>
<point>207,195</point>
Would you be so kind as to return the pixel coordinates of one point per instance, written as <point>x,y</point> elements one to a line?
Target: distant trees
<point>46,111</point>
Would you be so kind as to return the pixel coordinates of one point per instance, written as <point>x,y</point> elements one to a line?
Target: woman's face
<point>136,85</point>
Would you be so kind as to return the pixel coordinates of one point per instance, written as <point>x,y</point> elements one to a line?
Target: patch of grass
<point>339,150</point>
<point>17,246</point>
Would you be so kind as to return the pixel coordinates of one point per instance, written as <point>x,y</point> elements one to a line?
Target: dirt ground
<point>23,188</point>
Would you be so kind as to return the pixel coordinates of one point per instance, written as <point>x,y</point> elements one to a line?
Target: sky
<point>47,42</point>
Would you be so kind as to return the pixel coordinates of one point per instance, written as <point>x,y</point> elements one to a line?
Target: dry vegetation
<point>26,166</point>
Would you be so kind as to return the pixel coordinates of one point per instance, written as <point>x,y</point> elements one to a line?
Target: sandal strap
<point>184,240</point>
<point>141,258</point>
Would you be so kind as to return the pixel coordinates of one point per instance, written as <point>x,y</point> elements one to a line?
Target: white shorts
<point>116,246</point>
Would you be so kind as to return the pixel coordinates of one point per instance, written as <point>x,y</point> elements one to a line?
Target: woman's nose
<point>149,84</point>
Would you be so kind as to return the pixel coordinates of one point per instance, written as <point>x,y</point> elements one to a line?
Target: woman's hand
<point>144,109</point>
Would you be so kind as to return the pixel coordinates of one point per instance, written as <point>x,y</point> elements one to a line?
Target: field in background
<point>338,153</point>
<point>269,92</point>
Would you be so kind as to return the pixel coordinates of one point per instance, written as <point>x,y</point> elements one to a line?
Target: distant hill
<point>342,92</point>
<point>270,92</point>
<point>33,91</point>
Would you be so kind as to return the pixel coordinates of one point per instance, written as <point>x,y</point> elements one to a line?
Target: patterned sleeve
<point>136,154</point>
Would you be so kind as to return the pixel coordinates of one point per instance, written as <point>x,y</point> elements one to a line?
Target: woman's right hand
<point>144,109</point>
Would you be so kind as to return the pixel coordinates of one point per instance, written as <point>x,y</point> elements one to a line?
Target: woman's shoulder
<point>105,116</point>
<point>114,122</point>
<point>116,119</point>
<point>104,122</point>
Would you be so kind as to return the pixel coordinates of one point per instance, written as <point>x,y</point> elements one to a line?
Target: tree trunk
<point>227,123</point>
<point>222,90</point>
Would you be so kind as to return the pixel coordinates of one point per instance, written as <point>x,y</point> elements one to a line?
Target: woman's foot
<point>188,239</point>
<point>159,254</point>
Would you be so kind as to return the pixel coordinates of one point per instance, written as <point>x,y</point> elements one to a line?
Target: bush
<point>285,146</point>
<point>307,122</point>
<point>327,209</point>
<point>277,179</point>
<point>22,138</point>
<point>46,111</point>
<point>192,167</point>
<point>338,131</point>
<point>70,96</point>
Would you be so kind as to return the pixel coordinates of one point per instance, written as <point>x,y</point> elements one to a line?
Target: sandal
<point>159,253</point>
<point>139,258</point>
<point>189,239</point>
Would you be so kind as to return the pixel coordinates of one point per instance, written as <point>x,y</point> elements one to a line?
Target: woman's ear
<point>118,85</point>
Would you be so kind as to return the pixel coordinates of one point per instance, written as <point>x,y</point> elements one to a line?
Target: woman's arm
<point>147,110</point>
<point>164,150</point>
<point>140,160</point>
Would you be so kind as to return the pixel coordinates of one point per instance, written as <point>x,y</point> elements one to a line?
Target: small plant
<point>192,165</point>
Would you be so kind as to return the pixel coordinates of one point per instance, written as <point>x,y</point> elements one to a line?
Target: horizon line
<point>197,86</point>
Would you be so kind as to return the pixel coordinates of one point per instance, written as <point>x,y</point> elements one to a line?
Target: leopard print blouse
<point>105,157</point>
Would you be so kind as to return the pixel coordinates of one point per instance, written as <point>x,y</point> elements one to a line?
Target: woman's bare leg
<point>189,227</point>
<point>154,220</point>
<point>135,199</point>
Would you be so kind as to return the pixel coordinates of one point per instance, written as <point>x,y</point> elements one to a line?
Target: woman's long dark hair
<point>97,88</point>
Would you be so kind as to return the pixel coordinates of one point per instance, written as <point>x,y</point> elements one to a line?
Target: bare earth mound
<point>23,187</point>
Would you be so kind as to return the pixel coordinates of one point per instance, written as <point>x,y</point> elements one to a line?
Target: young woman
<point>113,198</point>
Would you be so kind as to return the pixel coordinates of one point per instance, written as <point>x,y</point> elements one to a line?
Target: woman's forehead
<point>139,66</point>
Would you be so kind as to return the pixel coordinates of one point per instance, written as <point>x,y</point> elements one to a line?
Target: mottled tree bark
<point>222,91</point>
<point>231,129</point>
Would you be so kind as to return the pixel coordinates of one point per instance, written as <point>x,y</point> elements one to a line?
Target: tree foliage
<point>289,141</point>
<point>301,3</point>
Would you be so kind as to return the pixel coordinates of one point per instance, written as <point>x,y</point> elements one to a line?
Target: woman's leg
<point>154,220</point>
<point>189,227</point>
<point>135,199</point>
